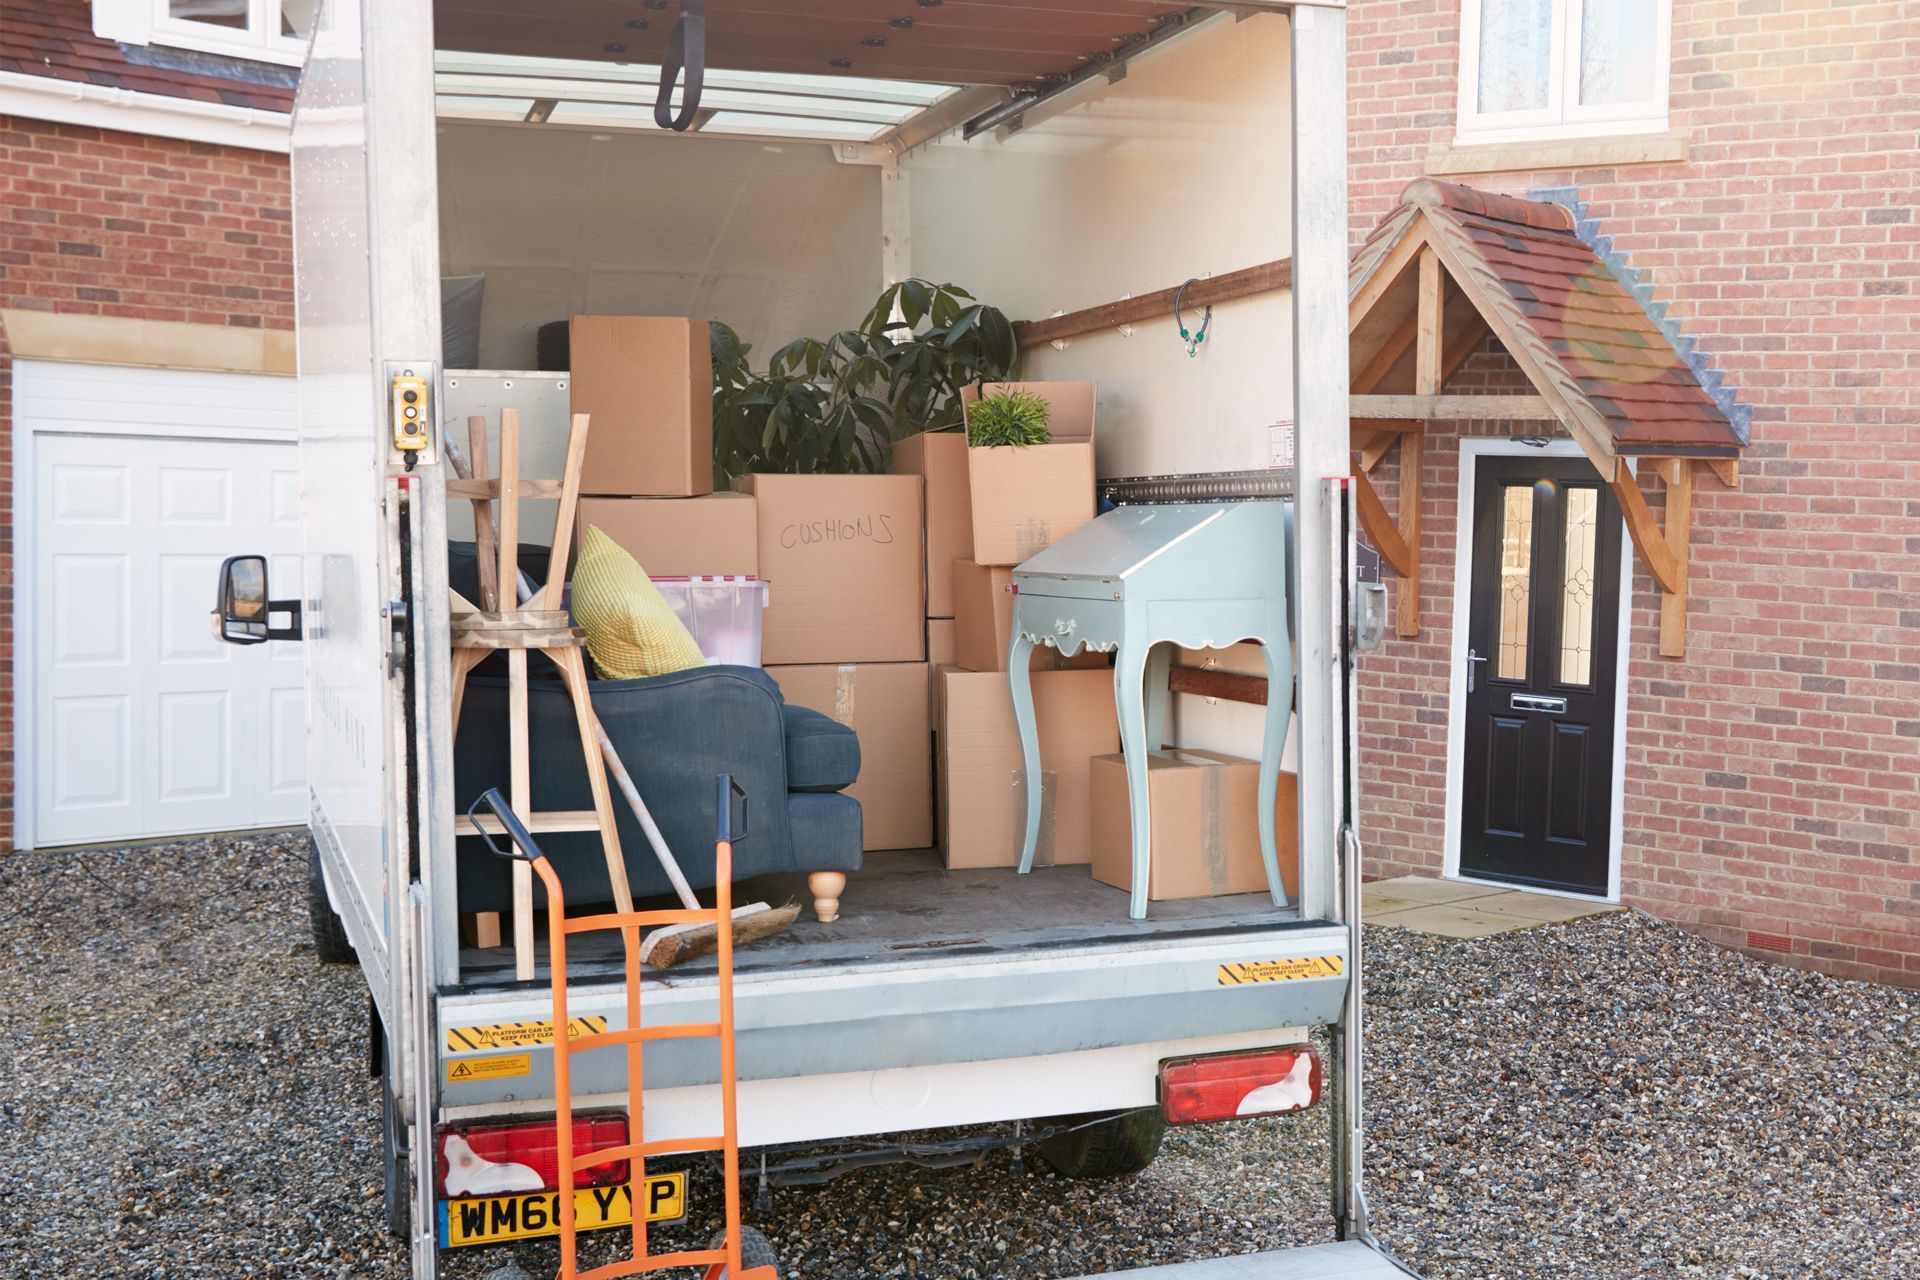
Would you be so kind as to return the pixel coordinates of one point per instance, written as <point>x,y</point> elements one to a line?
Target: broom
<point>666,947</point>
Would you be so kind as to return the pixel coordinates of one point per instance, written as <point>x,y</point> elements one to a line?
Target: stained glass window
<point>1577,585</point>
<point>1516,580</point>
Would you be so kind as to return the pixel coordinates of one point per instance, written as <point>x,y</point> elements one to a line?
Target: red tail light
<point>1228,1086</point>
<point>503,1159</point>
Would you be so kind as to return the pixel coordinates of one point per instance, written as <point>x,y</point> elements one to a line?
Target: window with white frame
<point>1547,69</point>
<point>264,30</point>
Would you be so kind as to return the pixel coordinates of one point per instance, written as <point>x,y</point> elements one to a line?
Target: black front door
<point>1542,636</point>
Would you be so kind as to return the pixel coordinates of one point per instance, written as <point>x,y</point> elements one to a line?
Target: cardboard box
<point>647,382</point>
<point>1206,841</point>
<point>983,625</point>
<point>983,783</point>
<point>940,459</point>
<point>710,536</point>
<point>844,556</point>
<point>939,654</point>
<point>1026,499</point>
<point>886,704</point>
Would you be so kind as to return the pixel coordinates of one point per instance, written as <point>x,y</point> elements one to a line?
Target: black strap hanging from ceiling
<point>686,48</point>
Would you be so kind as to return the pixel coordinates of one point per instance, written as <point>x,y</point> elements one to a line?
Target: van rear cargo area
<point>904,906</point>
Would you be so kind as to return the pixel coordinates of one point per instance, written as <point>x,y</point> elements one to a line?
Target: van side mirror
<point>245,609</point>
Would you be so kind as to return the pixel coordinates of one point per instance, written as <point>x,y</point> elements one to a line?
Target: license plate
<point>493,1219</point>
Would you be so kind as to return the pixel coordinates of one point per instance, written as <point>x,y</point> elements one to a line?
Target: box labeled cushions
<point>886,704</point>
<point>940,459</point>
<point>844,556</point>
<point>983,782</point>
<point>710,536</point>
<point>647,382</point>
<point>1025,499</point>
<point>1206,841</point>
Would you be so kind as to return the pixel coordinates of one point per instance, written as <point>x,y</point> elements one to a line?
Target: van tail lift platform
<point>725,1259</point>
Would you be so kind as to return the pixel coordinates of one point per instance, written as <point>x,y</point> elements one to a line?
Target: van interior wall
<point>1181,169</point>
<point>777,239</point>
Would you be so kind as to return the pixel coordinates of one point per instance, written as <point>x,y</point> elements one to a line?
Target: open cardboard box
<point>1025,499</point>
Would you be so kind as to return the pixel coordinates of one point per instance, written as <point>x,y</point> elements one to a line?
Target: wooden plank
<point>486,547</point>
<point>481,490</point>
<point>1648,538</point>
<point>1386,357</point>
<point>1407,608</point>
<point>1244,283</point>
<point>1384,276</point>
<point>519,758</point>
<point>509,531</point>
<point>1378,524</point>
<point>1426,360</point>
<point>1679,537</point>
<point>1727,470</point>
<point>1229,686</point>
<point>550,595</point>
<point>1437,408</point>
<point>538,823</point>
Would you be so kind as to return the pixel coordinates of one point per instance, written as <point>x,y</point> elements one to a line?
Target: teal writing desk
<point>1136,582</point>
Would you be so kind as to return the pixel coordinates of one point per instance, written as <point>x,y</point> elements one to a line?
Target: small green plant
<point>1017,418</point>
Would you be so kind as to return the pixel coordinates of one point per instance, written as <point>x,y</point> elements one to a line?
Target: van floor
<point>907,904</point>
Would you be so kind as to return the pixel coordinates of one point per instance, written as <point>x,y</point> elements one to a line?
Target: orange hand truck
<point>726,1260</point>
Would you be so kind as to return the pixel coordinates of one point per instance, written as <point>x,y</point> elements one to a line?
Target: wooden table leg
<point>1020,684</point>
<point>1129,688</point>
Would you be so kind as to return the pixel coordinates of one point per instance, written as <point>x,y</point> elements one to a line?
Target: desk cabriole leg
<point>1129,687</point>
<point>1020,683</point>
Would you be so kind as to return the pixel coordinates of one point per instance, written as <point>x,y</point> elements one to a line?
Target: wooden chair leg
<point>520,773</point>
<point>826,887</point>
<point>573,673</point>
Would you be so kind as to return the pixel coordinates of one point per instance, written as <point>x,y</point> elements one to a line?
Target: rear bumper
<point>849,1023</point>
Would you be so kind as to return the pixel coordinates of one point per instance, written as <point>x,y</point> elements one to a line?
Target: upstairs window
<point>266,30</point>
<point>1544,69</point>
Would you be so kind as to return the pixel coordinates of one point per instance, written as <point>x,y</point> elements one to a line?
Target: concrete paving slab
<point>1420,890</point>
<point>1543,907</point>
<point>1448,920</point>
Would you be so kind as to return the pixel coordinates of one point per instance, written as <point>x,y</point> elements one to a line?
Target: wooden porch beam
<point>1386,357</point>
<point>1431,408</point>
<point>1727,469</point>
<point>1678,537</point>
<point>1426,358</point>
<point>1378,524</point>
<point>1376,448</point>
<point>1407,607</point>
<point>1648,538</point>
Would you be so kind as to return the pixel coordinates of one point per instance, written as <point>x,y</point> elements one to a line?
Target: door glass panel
<point>1576,587</point>
<point>1516,39</point>
<point>219,13</point>
<point>1516,579</point>
<point>1616,40</point>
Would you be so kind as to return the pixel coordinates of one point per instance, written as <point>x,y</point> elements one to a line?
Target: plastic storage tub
<point>722,613</point>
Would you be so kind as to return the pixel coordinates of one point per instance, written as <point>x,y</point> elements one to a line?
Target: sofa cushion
<point>822,753</point>
<point>632,632</point>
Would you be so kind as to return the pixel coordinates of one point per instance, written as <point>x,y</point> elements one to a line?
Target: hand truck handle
<point>492,799</point>
<point>731,816</point>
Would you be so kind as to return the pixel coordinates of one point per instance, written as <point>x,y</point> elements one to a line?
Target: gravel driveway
<point>185,1095</point>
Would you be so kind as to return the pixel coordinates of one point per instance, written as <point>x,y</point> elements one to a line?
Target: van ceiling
<point>955,42</point>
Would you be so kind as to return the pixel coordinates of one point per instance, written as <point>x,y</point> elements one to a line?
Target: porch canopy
<point>1451,265</point>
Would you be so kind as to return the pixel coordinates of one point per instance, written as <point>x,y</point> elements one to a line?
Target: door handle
<point>1538,702</point>
<point>1472,658</point>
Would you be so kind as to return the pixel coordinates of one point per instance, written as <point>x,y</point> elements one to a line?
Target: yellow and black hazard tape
<point>1254,971</point>
<point>519,1035</point>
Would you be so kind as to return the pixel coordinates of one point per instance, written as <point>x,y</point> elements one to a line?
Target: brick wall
<point>94,222</point>
<point>1773,775</point>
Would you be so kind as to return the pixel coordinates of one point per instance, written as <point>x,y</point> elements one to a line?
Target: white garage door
<point>140,723</point>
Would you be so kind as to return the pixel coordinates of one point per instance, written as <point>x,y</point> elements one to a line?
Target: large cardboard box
<point>711,536</point>
<point>983,783</point>
<point>939,654</point>
<point>886,704</point>
<point>983,624</point>
<point>647,382</point>
<point>844,556</point>
<point>940,459</point>
<point>1206,841</point>
<point>1026,499</point>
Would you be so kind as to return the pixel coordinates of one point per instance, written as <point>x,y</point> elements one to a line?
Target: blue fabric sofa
<point>674,733</point>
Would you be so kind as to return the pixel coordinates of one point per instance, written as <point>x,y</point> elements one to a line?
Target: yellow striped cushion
<point>631,630</point>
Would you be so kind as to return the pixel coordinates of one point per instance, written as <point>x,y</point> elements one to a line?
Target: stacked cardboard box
<point>1205,833</point>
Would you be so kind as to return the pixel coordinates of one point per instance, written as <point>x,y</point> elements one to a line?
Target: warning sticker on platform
<point>1252,971</point>
<point>519,1035</point>
<point>467,1070</point>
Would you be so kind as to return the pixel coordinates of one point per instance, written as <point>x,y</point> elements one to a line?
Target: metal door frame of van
<point>1471,451</point>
